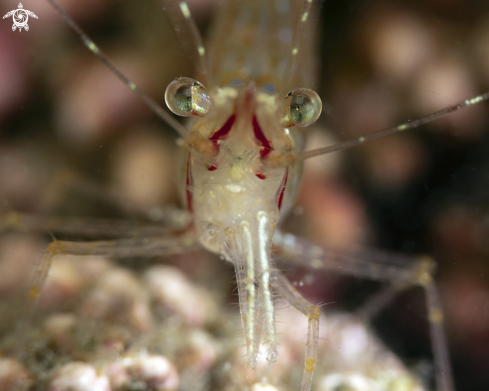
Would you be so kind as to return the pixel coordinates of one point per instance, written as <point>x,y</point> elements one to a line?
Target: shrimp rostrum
<point>242,159</point>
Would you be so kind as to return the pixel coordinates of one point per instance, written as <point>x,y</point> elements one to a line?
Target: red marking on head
<point>259,135</point>
<point>261,176</point>
<point>264,152</point>
<point>189,184</point>
<point>282,190</point>
<point>212,168</point>
<point>221,133</point>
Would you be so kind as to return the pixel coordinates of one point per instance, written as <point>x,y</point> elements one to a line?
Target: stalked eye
<point>186,97</point>
<point>302,107</point>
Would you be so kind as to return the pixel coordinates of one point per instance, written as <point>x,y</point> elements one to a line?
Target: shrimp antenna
<point>397,129</point>
<point>305,20</point>
<point>155,107</point>
<point>189,37</point>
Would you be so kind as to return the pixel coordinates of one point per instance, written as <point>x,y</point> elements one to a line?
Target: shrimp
<point>240,168</point>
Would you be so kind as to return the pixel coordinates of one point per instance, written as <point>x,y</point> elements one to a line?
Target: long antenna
<point>155,107</point>
<point>305,20</point>
<point>397,129</point>
<point>189,37</point>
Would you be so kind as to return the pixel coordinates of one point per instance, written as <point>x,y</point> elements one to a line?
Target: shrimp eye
<point>187,97</point>
<point>302,107</point>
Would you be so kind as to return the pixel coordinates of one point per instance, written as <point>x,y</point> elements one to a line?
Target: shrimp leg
<point>172,244</point>
<point>170,219</point>
<point>400,271</point>
<point>289,293</point>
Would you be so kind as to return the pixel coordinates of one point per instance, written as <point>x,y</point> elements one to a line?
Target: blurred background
<point>67,124</point>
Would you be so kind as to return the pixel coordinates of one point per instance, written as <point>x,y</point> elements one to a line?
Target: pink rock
<point>155,372</point>
<point>13,375</point>
<point>77,376</point>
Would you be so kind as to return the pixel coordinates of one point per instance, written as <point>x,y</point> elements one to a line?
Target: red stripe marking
<point>221,133</point>
<point>282,191</point>
<point>264,152</point>
<point>259,135</point>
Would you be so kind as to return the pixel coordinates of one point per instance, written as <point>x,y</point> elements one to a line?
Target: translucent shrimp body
<point>235,193</point>
<point>228,178</point>
<point>235,201</point>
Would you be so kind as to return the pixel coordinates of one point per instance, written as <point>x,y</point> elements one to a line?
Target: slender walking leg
<point>118,248</point>
<point>400,271</point>
<point>91,227</point>
<point>287,291</point>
